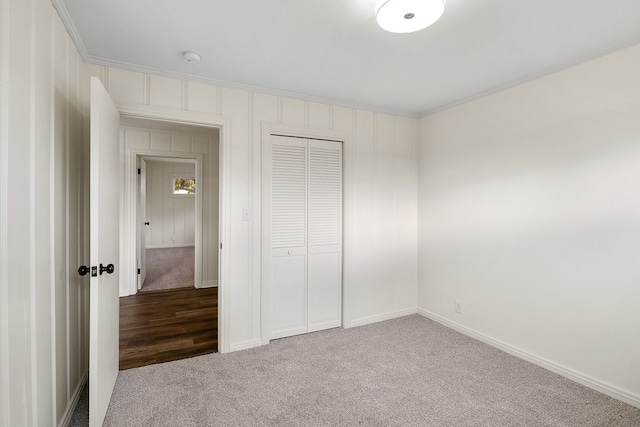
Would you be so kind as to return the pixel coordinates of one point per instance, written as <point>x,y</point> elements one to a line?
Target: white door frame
<point>131,223</point>
<point>141,217</point>
<point>201,119</point>
<point>269,129</point>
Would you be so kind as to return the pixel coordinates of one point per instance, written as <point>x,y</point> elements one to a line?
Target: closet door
<point>324,286</point>
<point>303,230</point>
<point>288,236</point>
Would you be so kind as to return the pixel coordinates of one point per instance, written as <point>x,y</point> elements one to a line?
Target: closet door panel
<point>304,236</point>
<point>288,194</point>
<point>289,295</point>
<point>325,290</point>
<point>325,193</point>
<point>325,235</point>
<point>288,236</point>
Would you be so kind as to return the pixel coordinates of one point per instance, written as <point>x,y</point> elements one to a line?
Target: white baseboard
<point>209,284</point>
<point>175,245</point>
<point>245,345</point>
<point>382,317</point>
<point>73,403</point>
<point>579,377</point>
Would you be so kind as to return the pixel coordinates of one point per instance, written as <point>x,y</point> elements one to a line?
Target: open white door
<point>142,222</point>
<point>104,233</point>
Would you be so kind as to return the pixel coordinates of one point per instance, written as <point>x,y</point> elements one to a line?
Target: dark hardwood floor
<point>160,326</point>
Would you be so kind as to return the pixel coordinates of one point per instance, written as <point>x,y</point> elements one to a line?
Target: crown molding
<point>532,77</point>
<point>96,60</point>
<point>71,28</point>
<point>105,62</point>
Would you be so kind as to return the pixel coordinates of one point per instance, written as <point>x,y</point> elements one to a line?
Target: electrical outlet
<point>458,306</point>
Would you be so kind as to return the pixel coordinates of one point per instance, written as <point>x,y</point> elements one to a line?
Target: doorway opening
<point>166,226</point>
<point>158,156</point>
<point>171,241</point>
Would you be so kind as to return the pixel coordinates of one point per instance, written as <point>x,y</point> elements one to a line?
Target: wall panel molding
<point>382,317</point>
<point>5,402</point>
<point>40,105</point>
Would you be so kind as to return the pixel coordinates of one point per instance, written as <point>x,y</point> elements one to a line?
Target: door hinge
<point>138,271</point>
<point>139,171</point>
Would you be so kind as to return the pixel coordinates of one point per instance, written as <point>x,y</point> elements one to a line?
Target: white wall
<point>381,242</point>
<point>529,213</point>
<point>43,302</point>
<point>172,219</point>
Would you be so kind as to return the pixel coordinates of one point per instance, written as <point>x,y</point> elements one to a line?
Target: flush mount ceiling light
<point>407,16</point>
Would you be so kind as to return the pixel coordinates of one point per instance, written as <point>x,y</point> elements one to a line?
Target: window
<point>183,185</point>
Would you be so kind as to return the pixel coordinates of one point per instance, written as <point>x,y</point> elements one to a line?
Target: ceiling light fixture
<point>407,16</point>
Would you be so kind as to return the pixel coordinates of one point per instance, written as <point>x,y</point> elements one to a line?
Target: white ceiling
<point>333,50</point>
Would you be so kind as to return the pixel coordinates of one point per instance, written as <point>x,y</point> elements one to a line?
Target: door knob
<point>109,269</point>
<point>83,270</point>
<point>146,223</point>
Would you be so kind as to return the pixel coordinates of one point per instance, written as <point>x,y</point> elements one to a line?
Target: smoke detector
<point>191,57</point>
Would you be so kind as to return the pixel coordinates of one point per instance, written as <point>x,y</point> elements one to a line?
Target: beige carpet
<point>169,268</point>
<point>404,372</point>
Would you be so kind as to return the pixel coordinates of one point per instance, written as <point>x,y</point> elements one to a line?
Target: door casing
<point>145,112</point>
<point>141,216</point>
<point>131,222</point>
<point>269,129</point>
<point>139,157</point>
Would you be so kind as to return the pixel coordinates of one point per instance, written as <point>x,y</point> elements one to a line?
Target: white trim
<point>529,78</point>
<point>245,345</point>
<point>168,246</point>
<point>579,377</point>
<point>61,8</point>
<point>106,62</point>
<point>224,231</point>
<point>209,284</point>
<point>304,132</point>
<point>31,270</point>
<point>382,317</point>
<point>73,403</point>
<point>4,213</point>
<point>207,120</point>
<point>171,115</point>
<point>349,257</point>
<point>265,250</point>
<point>64,172</point>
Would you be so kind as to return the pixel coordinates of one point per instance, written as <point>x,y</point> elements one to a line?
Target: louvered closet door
<point>324,288</point>
<point>288,236</point>
<point>305,190</point>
